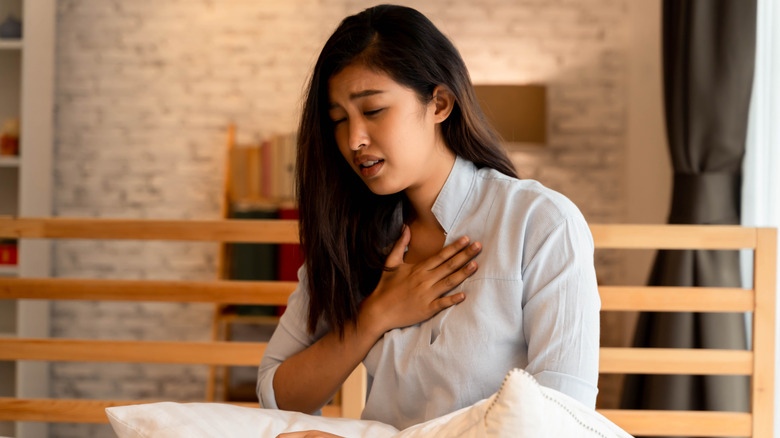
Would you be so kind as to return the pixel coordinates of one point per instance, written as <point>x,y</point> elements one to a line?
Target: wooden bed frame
<point>758,363</point>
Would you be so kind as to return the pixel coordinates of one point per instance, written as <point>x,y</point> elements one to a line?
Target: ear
<point>443,101</point>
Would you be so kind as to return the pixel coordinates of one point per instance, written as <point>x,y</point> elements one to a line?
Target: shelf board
<point>9,161</point>
<point>232,318</point>
<point>11,44</point>
<point>9,270</point>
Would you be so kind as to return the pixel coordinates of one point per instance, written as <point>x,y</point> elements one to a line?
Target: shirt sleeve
<point>561,310</point>
<point>289,338</point>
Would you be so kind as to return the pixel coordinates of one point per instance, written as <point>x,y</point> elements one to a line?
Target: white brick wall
<point>145,90</point>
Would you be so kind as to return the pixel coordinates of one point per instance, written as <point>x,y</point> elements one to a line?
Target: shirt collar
<point>452,197</point>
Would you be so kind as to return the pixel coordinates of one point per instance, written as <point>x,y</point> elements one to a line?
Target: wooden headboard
<point>757,363</point>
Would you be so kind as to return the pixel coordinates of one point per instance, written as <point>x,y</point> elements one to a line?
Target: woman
<point>400,184</point>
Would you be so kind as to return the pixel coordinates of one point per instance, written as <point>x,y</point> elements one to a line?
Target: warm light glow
<point>518,112</point>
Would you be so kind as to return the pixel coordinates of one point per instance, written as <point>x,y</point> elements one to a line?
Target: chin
<point>382,190</point>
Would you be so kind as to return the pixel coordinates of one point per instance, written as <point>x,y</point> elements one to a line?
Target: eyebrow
<point>358,95</point>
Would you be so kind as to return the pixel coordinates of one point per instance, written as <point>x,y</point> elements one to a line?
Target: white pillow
<point>521,408</point>
<point>523,405</point>
<point>217,420</point>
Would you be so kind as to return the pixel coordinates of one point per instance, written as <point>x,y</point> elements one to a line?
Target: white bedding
<point>521,408</point>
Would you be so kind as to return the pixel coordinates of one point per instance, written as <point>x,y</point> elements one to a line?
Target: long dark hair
<point>345,229</point>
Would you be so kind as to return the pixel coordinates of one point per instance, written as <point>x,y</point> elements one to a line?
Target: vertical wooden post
<point>222,263</point>
<point>353,393</point>
<point>765,265</point>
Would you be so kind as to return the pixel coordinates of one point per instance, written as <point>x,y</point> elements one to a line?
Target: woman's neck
<point>422,197</point>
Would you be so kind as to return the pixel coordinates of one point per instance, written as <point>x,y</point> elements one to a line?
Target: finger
<point>396,256</point>
<point>446,253</point>
<point>448,301</point>
<point>457,261</point>
<point>455,279</point>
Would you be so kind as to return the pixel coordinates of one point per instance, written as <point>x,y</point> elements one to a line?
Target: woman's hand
<point>408,294</point>
<point>308,434</point>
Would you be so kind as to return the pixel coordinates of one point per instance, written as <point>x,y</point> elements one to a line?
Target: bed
<point>757,363</point>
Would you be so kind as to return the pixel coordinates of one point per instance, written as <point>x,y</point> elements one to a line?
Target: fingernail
<point>476,246</point>
<point>472,266</point>
<point>460,297</point>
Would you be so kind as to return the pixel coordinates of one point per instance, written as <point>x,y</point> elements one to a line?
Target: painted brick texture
<point>146,89</point>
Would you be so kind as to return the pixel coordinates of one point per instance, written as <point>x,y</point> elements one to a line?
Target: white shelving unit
<point>9,271</point>
<point>27,93</point>
<point>12,162</point>
<point>10,44</point>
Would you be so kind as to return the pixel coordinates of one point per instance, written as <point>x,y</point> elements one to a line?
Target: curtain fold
<point>708,62</point>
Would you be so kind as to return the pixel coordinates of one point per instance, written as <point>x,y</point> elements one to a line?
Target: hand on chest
<point>424,244</point>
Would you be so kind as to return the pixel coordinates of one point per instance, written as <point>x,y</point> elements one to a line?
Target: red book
<point>8,253</point>
<point>289,255</point>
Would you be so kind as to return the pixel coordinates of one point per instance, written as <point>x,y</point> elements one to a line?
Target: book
<point>289,255</point>
<point>288,153</point>
<point>253,261</point>
<point>8,252</point>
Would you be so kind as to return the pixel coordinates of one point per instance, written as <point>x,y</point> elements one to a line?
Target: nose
<point>358,135</point>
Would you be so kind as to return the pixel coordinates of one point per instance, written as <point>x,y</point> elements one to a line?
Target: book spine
<point>254,171</point>
<point>254,261</point>
<point>288,166</point>
<point>267,165</point>
<point>289,255</point>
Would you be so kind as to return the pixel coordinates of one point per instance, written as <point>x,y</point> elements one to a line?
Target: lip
<point>368,172</point>
<point>360,159</point>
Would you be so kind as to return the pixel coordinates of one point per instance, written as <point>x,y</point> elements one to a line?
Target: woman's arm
<point>406,295</point>
<point>561,311</point>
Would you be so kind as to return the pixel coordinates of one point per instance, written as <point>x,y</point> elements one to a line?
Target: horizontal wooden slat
<point>614,298</point>
<point>58,410</point>
<point>83,411</point>
<point>676,299</point>
<point>674,361</point>
<point>645,422</point>
<point>229,292</point>
<point>285,231</point>
<point>232,230</point>
<point>206,353</point>
<point>613,360</point>
<point>680,423</point>
<point>673,236</point>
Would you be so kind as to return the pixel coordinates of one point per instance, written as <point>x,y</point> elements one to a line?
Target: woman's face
<point>388,137</point>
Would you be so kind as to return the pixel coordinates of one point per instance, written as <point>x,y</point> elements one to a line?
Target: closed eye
<point>370,113</point>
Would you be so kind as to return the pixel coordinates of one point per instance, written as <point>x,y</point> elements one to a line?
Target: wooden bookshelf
<point>244,202</point>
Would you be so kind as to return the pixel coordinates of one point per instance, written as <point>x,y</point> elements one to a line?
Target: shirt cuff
<point>265,388</point>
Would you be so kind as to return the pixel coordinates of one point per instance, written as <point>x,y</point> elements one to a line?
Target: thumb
<point>396,256</point>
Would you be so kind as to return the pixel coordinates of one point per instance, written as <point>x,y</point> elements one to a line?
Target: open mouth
<point>371,168</point>
<point>368,164</point>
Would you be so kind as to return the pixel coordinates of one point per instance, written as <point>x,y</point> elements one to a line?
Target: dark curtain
<point>708,61</point>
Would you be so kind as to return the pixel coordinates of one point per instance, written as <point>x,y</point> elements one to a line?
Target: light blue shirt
<point>533,304</point>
